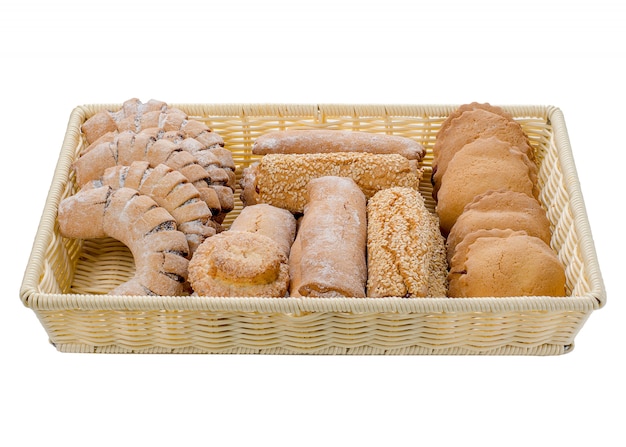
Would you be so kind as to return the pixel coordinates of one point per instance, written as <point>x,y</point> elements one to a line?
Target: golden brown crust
<point>466,128</point>
<point>405,249</point>
<point>505,263</point>
<point>500,209</point>
<point>473,106</point>
<point>281,179</point>
<point>239,263</point>
<point>480,166</point>
<point>247,183</point>
<point>326,141</point>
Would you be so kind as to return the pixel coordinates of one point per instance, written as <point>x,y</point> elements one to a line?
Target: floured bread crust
<point>331,241</point>
<point>170,190</point>
<point>311,141</point>
<point>159,250</point>
<point>276,223</point>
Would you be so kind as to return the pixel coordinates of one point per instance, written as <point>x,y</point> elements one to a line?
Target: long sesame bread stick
<point>281,179</point>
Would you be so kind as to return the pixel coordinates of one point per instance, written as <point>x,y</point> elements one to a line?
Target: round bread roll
<point>239,263</point>
<point>483,165</point>
<point>498,263</point>
<point>500,209</point>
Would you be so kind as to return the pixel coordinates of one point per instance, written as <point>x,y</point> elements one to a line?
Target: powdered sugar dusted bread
<point>503,210</point>
<point>405,250</point>
<point>127,147</point>
<point>239,263</point>
<point>170,190</point>
<point>502,263</point>
<point>160,251</point>
<point>331,241</point>
<point>276,223</point>
<point>136,116</point>
<point>312,141</point>
<point>480,166</point>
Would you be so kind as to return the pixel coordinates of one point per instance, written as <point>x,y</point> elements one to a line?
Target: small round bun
<point>239,263</point>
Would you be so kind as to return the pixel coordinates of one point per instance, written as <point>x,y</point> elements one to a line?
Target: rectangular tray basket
<point>66,281</point>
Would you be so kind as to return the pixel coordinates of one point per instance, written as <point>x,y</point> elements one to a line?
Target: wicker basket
<point>66,281</point>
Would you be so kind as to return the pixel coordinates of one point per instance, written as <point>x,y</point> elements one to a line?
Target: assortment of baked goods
<point>326,213</point>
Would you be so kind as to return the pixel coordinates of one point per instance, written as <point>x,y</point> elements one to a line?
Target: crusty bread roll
<point>276,223</point>
<point>281,179</point>
<point>160,251</point>
<point>405,249</point>
<point>239,263</point>
<point>312,141</point>
<point>331,240</point>
<point>502,263</point>
<point>482,165</point>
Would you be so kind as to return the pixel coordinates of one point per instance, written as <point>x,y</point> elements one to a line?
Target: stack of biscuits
<point>486,193</point>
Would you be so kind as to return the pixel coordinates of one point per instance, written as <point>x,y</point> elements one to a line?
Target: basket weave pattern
<point>66,280</point>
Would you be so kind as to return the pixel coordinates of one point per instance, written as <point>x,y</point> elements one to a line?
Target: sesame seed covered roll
<point>405,249</point>
<point>281,179</point>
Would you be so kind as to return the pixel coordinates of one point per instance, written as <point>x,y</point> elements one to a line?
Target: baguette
<point>325,141</point>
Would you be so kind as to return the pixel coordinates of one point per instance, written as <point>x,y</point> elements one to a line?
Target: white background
<point>56,55</point>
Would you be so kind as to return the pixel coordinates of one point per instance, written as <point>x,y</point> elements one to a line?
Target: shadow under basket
<point>66,281</point>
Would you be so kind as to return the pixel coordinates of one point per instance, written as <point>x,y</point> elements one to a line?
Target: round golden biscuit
<point>500,209</point>
<point>499,263</point>
<point>469,126</point>
<point>473,106</point>
<point>480,166</point>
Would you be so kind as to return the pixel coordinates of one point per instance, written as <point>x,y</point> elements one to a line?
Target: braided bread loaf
<point>170,190</point>
<point>216,188</point>
<point>160,251</point>
<point>129,134</point>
